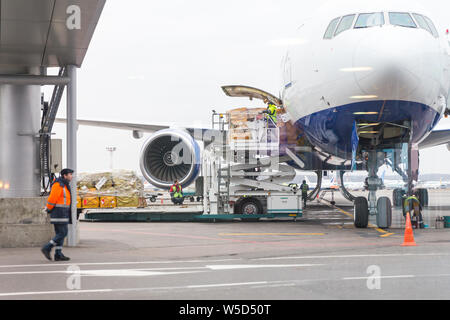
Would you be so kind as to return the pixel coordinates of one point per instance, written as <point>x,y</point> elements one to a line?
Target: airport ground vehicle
<point>241,172</point>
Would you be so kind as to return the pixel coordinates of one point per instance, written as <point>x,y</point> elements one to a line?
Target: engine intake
<point>170,155</point>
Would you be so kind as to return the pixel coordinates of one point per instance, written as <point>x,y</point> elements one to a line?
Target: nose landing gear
<point>382,207</point>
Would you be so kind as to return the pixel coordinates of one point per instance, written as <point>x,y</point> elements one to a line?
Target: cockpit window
<point>367,20</point>
<point>402,19</point>
<point>330,30</point>
<point>432,27</point>
<point>346,23</point>
<point>422,22</point>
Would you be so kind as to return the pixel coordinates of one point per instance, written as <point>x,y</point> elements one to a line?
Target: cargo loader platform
<point>168,213</point>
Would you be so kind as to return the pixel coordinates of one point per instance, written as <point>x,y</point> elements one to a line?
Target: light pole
<point>111,155</point>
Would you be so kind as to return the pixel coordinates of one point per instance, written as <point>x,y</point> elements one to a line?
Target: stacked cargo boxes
<point>242,121</point>
<point>110,190</point>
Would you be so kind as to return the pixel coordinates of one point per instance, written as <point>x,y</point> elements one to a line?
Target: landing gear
<point>361,212</point>
<point>384,212</point>
<point>397,197</point>
<point>382,207</point>
<point>422,195</point>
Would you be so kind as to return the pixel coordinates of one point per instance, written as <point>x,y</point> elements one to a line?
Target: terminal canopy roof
<point>36,33</point>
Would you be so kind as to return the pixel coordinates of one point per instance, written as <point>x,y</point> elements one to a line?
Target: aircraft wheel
<point>361,212</point>
<point>397,197</point>
<point>384,212</point>
<point>423,197</point>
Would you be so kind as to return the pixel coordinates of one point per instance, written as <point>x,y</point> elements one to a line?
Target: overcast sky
<point>165,61</point>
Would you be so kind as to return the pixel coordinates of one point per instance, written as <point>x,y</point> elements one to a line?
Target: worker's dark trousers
<point>177,200</point>
<point>61,231</point>
<point>304,198</point>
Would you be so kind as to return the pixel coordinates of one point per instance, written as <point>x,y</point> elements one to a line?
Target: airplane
<point>370,82</point>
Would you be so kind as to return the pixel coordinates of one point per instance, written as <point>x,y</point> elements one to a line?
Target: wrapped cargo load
<point>244,122</point>
<point>108,202</point>
<point>121,188</point>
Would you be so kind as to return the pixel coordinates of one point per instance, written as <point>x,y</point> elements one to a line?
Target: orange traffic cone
<point>409,235</point>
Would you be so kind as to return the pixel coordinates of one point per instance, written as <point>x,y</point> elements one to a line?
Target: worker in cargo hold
<point>176,193</point>
<point>271,112</point>
<point>58,206</point>
<point>304,187</point>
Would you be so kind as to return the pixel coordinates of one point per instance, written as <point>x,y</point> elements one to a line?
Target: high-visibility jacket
<point>272,111</point>
<point>412,203</point>
<point>304,188</point>
<point>58,203</point>
<point>177,191</point>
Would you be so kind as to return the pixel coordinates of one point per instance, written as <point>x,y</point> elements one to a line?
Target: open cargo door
<point>252,93</point>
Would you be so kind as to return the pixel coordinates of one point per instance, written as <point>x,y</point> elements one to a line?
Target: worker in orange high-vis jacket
<point>58,206</point>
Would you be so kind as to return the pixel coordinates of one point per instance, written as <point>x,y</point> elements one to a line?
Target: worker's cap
<point>66,171</point>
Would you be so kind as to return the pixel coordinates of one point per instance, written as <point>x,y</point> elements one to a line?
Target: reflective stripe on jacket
<point>177,191</point>
<point>272,110</point>
<point>58,203</point>
<point>412,203</point>
<point>305,188</point>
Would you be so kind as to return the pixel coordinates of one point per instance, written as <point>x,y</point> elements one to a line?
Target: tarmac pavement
<point>320,256</point>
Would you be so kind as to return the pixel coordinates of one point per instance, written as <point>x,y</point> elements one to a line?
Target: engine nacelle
<point>169,155</point>
<point>448,146</point>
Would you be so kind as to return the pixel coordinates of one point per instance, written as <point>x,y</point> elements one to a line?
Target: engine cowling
<point>448,146</point>
<point>170,155</point>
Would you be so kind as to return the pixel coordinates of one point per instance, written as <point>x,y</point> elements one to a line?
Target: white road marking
<point>10,294</point>
<point>112,263</point>
<point>253,285</point>
<point>381,277</point>
<point>354,256</point>
<point>255,266</point>
<point>217,285</point>
<point>129,273</point>
<point>155,271</point>
<point>225,285</point>
<point>103,271</point>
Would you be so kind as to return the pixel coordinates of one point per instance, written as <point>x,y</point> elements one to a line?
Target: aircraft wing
<point>118,125</point>
<point>206,135</point>
<point>436,138</point>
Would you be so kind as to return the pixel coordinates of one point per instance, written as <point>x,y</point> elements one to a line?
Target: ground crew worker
<point>271,112</point>
<point>304,187</point>
<point>176,193</point>
<point>413,206</point>
<point>58,206</point>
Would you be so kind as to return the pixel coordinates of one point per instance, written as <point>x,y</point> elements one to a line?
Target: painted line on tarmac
<point>113,263</point>
<point>225,285</point>
<point>271,234</point>
<point>158,271</point>
<point>105,272</point>
<point>35,293</point>
<point>256,266</point>
<point>380,277</point>
<point>383,232</point>
<point>218,285</point>
<point>357,256</point>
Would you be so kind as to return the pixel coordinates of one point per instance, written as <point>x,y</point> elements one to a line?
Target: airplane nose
<point>389,63</point>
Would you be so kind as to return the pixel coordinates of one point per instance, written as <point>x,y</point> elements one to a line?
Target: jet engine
<point>169,155</point>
